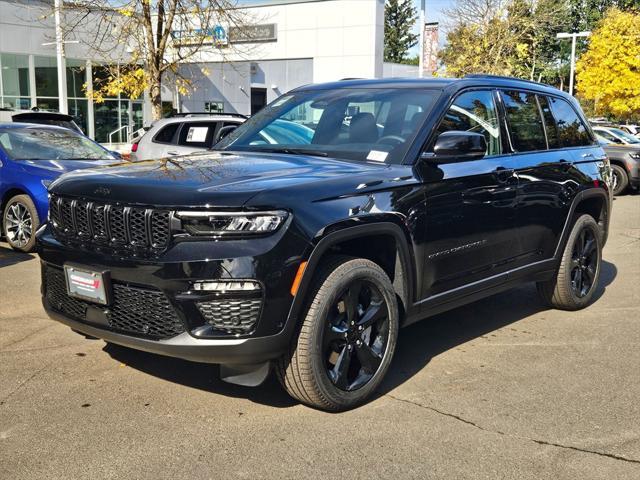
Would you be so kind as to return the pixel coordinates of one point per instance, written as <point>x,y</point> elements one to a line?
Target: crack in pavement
<point>3,400</point>
<point>29,335</point>
<point>498,432</point>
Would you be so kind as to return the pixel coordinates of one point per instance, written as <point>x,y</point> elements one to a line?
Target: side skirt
<point>457,297</point>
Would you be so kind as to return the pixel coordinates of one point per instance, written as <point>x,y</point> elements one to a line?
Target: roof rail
<point>503,77</point>
<point>194,114</point>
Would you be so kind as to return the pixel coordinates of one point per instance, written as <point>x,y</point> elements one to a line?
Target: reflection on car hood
<point>62,166</point>
<point>209,178</point>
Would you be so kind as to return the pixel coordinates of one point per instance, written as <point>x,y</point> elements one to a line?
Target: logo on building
<point>216,35</point>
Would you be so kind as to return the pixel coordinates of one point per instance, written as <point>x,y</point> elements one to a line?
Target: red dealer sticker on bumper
<point>86,284</point>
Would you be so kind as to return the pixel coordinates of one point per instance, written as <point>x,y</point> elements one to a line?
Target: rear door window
<point>525,123</point>
<point>550,126</point>
<point>572,132</point>
<point>197,134</point>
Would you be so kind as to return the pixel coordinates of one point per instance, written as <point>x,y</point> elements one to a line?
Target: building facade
<point>289,43</point>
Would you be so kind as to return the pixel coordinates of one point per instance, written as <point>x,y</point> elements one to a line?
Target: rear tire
<point>620,179</point>
<point>576,280</point>
<point>19,223</point>
<point>347,338</point>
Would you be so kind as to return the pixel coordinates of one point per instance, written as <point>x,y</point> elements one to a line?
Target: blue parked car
<point>31,157</point>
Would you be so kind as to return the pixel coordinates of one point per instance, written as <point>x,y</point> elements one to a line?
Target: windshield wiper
<point>293,151</point>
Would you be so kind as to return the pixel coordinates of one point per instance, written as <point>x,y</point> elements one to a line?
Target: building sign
<point>214,107</point>
<point>267,32</point>
<point>216,35</point>
<point>430,49</point>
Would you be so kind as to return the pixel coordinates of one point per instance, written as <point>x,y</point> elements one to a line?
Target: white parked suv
<point>182,134</point>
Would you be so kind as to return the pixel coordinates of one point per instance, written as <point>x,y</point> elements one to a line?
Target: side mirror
<point>224,131</point>
<point>457,146</point>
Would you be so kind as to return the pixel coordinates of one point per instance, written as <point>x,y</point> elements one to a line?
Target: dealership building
<point>287,43</point>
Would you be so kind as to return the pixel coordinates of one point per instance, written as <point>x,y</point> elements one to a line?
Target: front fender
<point>350,229</point>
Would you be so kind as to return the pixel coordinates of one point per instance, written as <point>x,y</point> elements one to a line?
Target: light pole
<point>421,59</point>
<point>573,37</point>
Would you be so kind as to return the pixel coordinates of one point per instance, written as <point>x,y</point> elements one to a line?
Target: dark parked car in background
<point>31,157</point>
<point>40,118</point>
<point>625,165</point>
<point>411,197</point>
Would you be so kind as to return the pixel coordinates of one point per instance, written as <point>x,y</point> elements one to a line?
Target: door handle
<point>503,175</point>
<point>172,153</point>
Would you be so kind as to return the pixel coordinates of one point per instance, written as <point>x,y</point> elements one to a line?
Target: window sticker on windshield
<point>197,134</point>
<point>377,156</point>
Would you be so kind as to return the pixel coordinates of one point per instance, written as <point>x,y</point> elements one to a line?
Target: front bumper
<point>168,281</point>
<point>231,351</point>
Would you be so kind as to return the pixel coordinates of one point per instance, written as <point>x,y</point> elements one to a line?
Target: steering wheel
<point>394,140</point>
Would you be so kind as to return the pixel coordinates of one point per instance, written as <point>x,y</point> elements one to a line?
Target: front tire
<point>19,222</point>
<point>620,179</point>
<point>347,339</point>
<point>576,280</point>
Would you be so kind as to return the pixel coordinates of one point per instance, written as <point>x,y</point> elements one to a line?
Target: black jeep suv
<point>336,215</point>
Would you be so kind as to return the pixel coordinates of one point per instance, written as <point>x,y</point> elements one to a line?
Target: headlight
<point>231,223</point>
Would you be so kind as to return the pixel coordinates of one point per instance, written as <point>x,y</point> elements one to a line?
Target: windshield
<point>627,136</point>
<point>50,144</point>
<point>356,124</point>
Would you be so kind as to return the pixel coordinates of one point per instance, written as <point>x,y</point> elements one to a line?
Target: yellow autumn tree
<point>608,73</point>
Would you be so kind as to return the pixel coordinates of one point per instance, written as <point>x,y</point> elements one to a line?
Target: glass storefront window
<point>137,115</point>
<point>76,78</point>
<point>79,109</point>
<point>16,103</point>
<point>46,76</point>
<point>48,104</point>
<point>106,119</point>
<point>15,75</point>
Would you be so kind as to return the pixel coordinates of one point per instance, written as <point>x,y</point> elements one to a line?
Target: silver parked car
<point>616,135</point>
<point>182,134</point>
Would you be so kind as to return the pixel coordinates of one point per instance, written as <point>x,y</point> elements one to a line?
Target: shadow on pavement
<point>417,345</point>
<point>9,257</point>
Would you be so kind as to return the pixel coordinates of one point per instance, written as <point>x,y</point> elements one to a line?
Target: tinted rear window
<point>525,124</point>
<point>571,131</point>
<point>166,134</point>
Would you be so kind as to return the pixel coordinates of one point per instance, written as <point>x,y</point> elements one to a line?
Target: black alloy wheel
<point>347,337</point>
<point>356,336</point>
<point>584,263</point>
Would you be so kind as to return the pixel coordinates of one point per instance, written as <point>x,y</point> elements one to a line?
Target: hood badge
<point>102,191</point>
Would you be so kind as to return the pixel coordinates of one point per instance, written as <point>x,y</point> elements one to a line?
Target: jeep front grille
<point>110,225</point>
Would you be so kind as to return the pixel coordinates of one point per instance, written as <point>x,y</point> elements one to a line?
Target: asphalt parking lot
<point>498,389</point>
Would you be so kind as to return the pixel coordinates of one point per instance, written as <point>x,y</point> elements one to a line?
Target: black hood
<point>210,178</point>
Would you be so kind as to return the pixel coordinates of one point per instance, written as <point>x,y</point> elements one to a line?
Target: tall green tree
<point>506,37</point>
<point>399,18</point>
<point>585,14</point>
